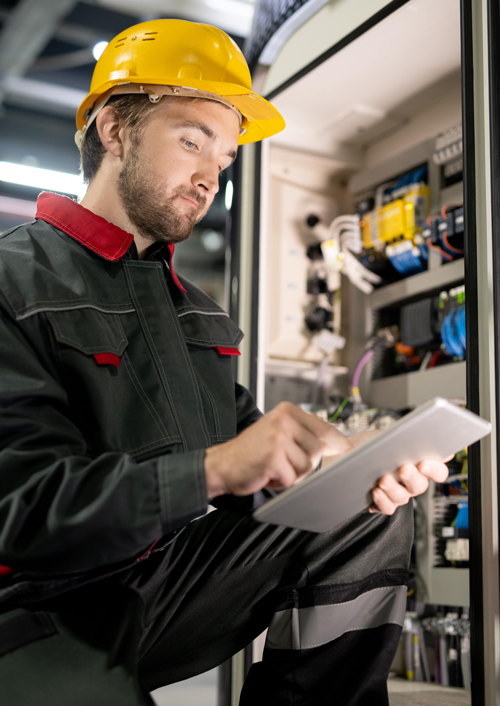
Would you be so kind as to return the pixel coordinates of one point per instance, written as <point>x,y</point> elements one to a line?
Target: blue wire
<point>424,250</point>
<point>453,332</point>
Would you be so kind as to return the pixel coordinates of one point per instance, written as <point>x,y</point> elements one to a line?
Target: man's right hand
<point>278,450</point>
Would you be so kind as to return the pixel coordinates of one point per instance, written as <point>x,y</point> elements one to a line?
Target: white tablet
<point>434,431</point>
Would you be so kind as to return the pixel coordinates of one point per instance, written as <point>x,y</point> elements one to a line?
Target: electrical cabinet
<point>355,126</point>
<point>382,105</point>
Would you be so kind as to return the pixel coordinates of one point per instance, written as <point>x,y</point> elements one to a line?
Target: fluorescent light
<point>228,196</point>
<point>17,207</point>
<point>41,178</point>
<point>98,49</point>
<point>234,7</point>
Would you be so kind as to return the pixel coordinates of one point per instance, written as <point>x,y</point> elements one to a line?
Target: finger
<point>414,482</point>
<point>310,443</point>
<point>396,492</point>
<point>284,476</point>
<point>333,440</point>
<point>358,439</point>
<point>300,461</point>
<point>434,470</point>
<point>381,503</point>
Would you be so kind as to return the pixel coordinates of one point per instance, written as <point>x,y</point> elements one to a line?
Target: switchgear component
<point>419,323</point>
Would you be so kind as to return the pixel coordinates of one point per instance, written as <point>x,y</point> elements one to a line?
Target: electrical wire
<point>446,242</point>
<point>453,332</point>
<point>430,245</point>
<point>444,235</point>
<point>441,252</point>
<point>339,409</point>
<point>358,370</point>
<point>434,359</point>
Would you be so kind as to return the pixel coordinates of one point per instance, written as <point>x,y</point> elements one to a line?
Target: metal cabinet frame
<point>480,29</point>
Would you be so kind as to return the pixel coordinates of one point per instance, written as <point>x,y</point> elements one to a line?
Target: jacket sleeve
<point>247,413</point>
<point>62,511</point>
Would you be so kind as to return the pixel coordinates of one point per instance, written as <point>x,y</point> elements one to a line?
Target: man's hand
<point>391,491</point>
<point>277,451</point>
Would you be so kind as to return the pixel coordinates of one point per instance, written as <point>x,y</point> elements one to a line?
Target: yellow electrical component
<point>416,210</point>
<point>366,230</point>
<point>393,221</point>
<point>404,218</point>
<point>379,217</point>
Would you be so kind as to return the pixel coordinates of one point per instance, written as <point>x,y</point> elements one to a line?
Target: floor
<point>202,691</point>
<point>199,691</point>
<point>406,693</point>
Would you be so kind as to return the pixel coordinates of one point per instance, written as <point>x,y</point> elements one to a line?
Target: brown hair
<point>133,110</point>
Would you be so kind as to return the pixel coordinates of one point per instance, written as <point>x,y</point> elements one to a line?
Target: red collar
<point>90,230</point>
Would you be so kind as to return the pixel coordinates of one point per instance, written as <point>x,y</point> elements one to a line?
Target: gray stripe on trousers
<point>303,628</point>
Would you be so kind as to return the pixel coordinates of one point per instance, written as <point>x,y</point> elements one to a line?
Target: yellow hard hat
<point>177,57</point>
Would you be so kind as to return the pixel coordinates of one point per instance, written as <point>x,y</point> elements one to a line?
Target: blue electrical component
<point>453,332</point>
<point>406,262</point>
<point>462,519</point>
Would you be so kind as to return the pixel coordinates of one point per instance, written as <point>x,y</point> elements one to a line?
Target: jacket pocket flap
<point>88,330</point>
<point>209,328</point>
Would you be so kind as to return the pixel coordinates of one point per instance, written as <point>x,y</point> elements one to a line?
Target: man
<point>120,421</point>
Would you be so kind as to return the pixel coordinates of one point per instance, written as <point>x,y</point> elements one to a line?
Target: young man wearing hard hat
<point>120,420</point>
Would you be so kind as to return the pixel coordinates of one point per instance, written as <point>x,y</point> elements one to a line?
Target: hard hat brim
<point>262,120</point>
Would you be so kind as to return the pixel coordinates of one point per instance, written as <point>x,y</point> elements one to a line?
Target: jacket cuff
<point>182,488</point>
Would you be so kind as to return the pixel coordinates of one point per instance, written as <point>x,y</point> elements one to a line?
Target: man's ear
<point>110,128</point>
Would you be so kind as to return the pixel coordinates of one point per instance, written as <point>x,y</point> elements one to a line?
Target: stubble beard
<point>156,217</point>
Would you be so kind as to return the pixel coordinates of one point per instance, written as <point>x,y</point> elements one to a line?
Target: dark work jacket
<point>115,376</point>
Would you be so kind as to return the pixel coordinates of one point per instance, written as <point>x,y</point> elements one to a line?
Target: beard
<point>157,218</point>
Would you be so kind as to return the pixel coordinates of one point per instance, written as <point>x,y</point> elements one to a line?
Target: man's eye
<point>189,144</point>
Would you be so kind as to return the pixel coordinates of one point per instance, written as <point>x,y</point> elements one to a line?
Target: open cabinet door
<point>478,375</point>
<point>481,120</point>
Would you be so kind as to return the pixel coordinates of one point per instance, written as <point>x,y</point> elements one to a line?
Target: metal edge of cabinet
<point>472,333</point>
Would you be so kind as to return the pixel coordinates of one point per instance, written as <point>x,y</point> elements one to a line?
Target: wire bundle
<point>453,332</point>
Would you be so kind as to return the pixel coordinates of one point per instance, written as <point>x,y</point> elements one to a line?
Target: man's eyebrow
<point>198,126</point>
<point>206,130</point>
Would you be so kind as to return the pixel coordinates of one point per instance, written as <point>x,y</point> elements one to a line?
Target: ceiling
<point>46,65</point>
<point>374,84</point>
<point>46,59</point>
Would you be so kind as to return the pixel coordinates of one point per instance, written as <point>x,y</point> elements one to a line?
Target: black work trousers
<point>333,602</point>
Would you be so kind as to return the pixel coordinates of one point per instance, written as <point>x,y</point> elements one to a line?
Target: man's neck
<point>102,198</point>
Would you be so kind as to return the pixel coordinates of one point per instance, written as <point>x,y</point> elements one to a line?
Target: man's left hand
<point>393,490</point>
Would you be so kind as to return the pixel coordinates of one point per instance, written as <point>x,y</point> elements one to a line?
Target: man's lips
<point>191,201</point>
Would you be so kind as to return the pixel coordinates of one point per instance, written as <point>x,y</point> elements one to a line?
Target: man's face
<point>171,173</point>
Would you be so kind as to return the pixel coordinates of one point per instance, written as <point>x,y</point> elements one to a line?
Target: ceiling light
<point>42,178</point>
<point>228,196</point>
<point>17,207</point>
<point>98,49</point>
<point>212,240</point>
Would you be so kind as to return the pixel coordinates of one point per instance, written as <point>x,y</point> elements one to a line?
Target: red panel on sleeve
<point>4,570</point>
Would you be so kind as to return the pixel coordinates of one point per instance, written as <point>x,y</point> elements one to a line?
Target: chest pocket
<point>105,396</point>
<point>213,341</point>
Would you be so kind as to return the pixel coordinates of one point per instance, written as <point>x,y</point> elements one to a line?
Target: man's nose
<point>206,177</point>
